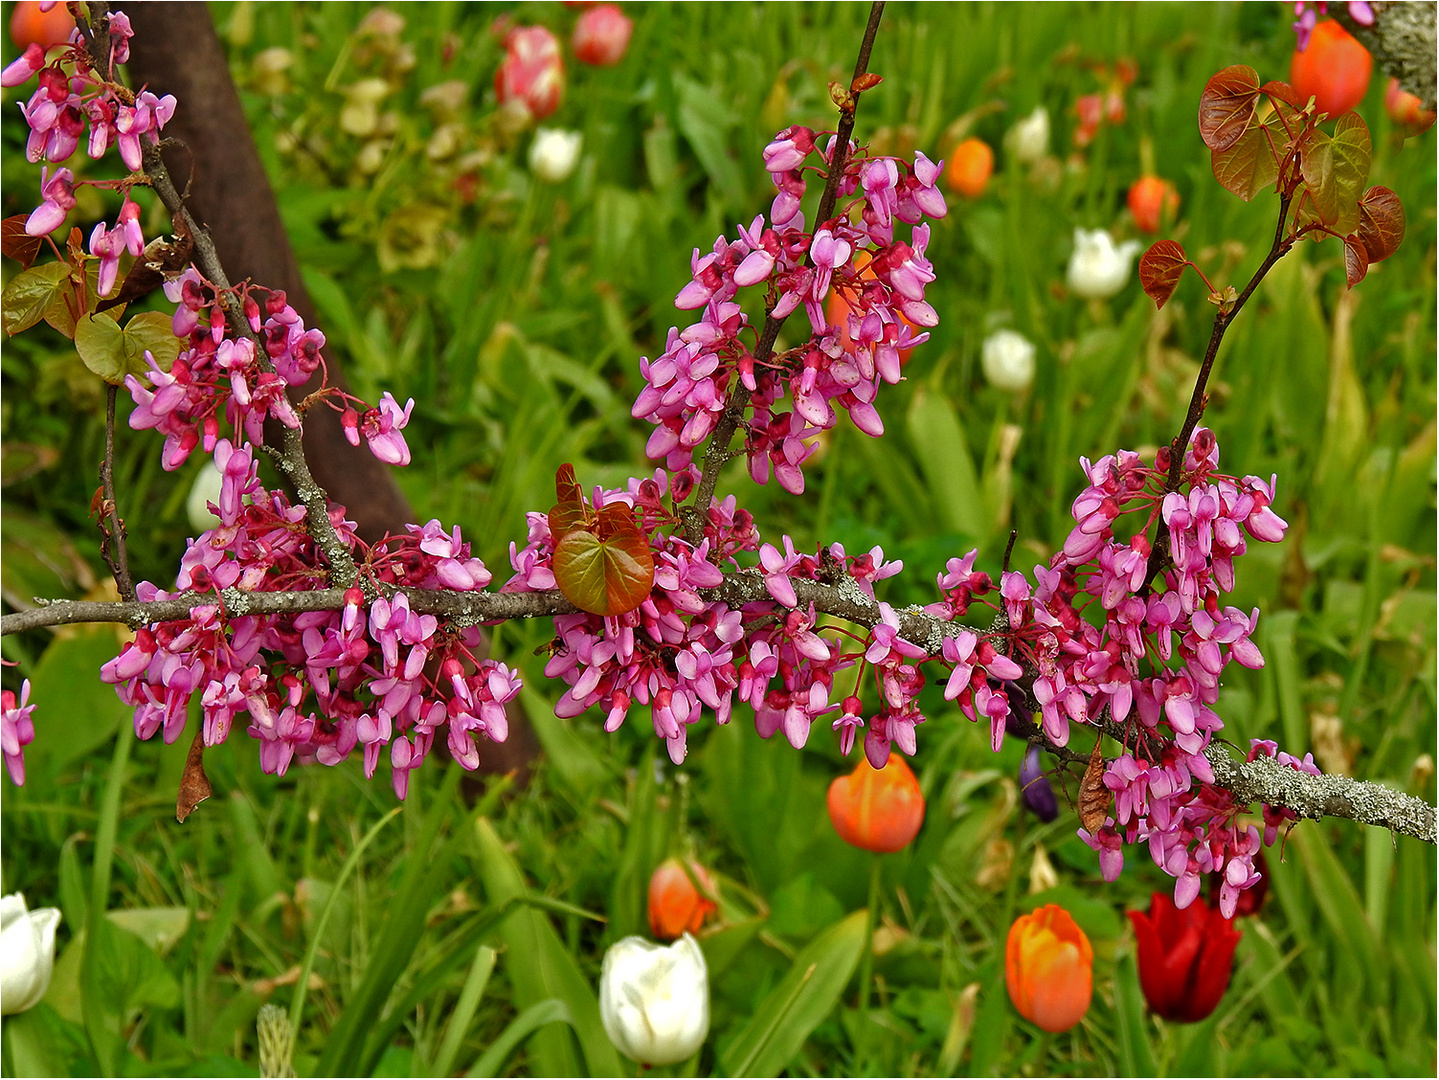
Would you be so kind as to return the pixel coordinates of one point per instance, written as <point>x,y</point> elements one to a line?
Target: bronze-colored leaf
<point>1094,797</point>
<point>1160,269</point>
<point>1381,223</point>
<point>1282,91</point>
<point>1356,260</point>
<point>868,81</point>
<point>1227,106</point>
<point>194,784</point>
<point>1246,166</point>
<point>16,243</point>
<point>1335,168</point>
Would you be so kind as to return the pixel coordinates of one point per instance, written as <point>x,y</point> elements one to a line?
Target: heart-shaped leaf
<point>112,353</point>
<point>610,575</point>
<point>1226,108</point>
<point>16,243</point>
<point>1247,166</point>
<point>1356,261</point>
<point>569,512</point>
<point>29,293</point>
<point>1335,167</point>
<point>1160,269</point>
<point>1282,91</point>
<point>1381,223</point>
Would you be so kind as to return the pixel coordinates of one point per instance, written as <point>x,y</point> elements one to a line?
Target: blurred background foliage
<point>513,311</point>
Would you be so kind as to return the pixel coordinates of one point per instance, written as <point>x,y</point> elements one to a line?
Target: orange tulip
<point>1150,200</point>
<point>676,906</point>
<point>877,809</point>
<point>970,164</point>
<point>28,24</point>
<point>1049,968</point>
<point>1406,110</point>
<point>1334,69</point>
<point>837,309</point>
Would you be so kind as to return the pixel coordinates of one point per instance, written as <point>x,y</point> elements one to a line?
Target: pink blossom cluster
<point>883,279</point>
<point>1099,636</point>
<point>316,684</point>
<point>77,104</point>
<point>17,729</point>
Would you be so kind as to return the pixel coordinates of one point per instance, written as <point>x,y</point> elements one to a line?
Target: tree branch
<point>1401,41</point>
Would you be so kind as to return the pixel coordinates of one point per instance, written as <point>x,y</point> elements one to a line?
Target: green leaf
<point>1246,166</point>
<point>112,353</point>
<point>464,1011</point>
<point>1135,1056</point>
<point>607,573</point>
<point>66,680</point>
<point>541,968</point>
<point>549,1011</point>
<point>29,293</point>
<point>62,311</point>
<point>801,1002</point>
<point>1335,168</point>
<point>943,452</point>
<point>1227,106</point>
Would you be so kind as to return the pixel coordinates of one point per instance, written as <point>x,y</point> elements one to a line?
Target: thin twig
<point>116,557</point>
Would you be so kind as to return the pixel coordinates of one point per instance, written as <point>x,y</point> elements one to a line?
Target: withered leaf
<point>1094,797</point>
<point>194,784</point>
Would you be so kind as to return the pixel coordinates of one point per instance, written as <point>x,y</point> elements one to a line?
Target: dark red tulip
<point>1185,957</point>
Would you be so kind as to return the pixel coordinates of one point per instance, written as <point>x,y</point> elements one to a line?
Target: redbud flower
<point>59,193</point>
<point>17,729</point>
<point>601,35</point>
<point>1185,957</point>
<point>1049,968</point>
<point>27,953</point>
<point>676,906</point>
<point>655,999</point>
<point>531,72</point>
<point>877,809</point>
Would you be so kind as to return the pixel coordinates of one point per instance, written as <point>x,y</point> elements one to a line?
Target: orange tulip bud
<point>970,164</point>
<point>1406,110</point>
<point>676,906</point>
<point>1049,968</point>
<point>1334,69</point>
<point>1151,200</point>
<point>28,24</point>
<point>837,309</point>
<point>877,809</point>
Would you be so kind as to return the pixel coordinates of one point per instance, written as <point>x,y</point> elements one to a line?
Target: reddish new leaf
<point>1335,168</point>
<point>1381,223</point>
<point>1284,92</point>
<point>1356,260</point>
<point>569,512</point>
<point>16,243</point>
<point>1227,106</point>
<point>1247,166</point>
<point>1160,269</point>
<point>606,576</point>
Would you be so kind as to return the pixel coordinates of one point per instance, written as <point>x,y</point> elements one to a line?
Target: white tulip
<point>655,999</point>
<point>1008,361</point>
<point>27,953</point>
<point>554,153</point>
<point>1098,269</point>
<point>206,489</point>
<point>1028,140</point>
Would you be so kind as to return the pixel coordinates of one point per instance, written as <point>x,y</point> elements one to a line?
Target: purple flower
<point>17,730</point>
<point>1035,788</point>
<point>59,195</point>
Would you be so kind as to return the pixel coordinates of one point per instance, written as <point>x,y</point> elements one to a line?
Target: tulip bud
<point>655,999</point>
<point>1098,269</point>
<point>970,164</point>
<point>1049,968</point>
<point>1151,200</point>
<point>553,154</point>
<point>1008,361</point>
<point>1028,140</point>
<point>1185,957</point>
<point>1035,788</point>
<point>531,74</point>
<point>1406,110</point>
<point>27,953</point>
<point>676,905</point>
<point>601,35</point>
<point>877,809</point>
<point>205,490</point>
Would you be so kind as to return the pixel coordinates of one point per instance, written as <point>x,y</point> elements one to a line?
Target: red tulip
<point>1049,968</point>
<point>1185,957</point>
<point>531,72</point>
<point>1334,69</point>
<point>676,906</point>
<point>601,35</point>
<point>1150,200</point>
<point>877,809</point>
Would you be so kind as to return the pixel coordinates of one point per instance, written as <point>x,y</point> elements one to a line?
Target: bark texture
<point>1402,42</point>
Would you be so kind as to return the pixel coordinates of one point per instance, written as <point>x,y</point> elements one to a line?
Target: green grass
<point>461,922</point>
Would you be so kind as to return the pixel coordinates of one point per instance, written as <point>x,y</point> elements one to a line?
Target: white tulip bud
<point>1098,269</point>
<point>205,490</point>
<point>554,153</point>
<point>655,999</point>
<point>1028,140</point>
<point>1008,361</point>
<point>27,953</point>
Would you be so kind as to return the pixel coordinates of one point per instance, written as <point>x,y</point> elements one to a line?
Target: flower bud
<point>1098,269</point>
<point>655,999</point>
<point>1185,957</point>
<point>877,809</point>
<point>970,164</point>
<point>676,905</point>
<point>27,953</point>
<point>1028,140</point>
<point>553,154</point>
<point>1008,361</point>
<point>206,489</point>
<point>1037,793</point>
<point>1406,110</point>
<point>531,74</point>
<point>601,35</point>
<point>1049,968</point>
